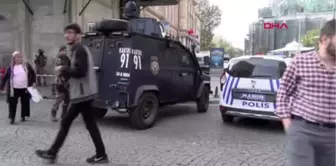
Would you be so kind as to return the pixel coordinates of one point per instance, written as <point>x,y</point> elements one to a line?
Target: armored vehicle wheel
<point>112,25</point>
<point>100,112</point>
<point>143,116</point>
<point>227,118</point>
<point>203,101</point>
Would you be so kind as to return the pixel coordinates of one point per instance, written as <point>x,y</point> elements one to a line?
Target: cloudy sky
<point>236,17</point>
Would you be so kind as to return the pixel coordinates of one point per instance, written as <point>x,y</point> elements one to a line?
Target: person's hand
<point>59,70</point>
<point>34,85</point>
<point>286,123</point>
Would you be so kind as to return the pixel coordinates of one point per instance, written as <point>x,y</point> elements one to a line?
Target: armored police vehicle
<point>139,70</point>
<point>250,87</point>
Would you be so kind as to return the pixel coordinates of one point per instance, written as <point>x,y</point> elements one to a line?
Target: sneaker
<point>97,159</point>
<point>11,121</point>
<point>44,154</point>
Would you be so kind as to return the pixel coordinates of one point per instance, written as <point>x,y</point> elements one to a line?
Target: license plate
<point>250,96</point>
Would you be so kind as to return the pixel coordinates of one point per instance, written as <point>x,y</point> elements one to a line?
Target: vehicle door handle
<point>183,74</point>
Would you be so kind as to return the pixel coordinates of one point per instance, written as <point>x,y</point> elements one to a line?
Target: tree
<point>210,17</point>
<point>311,38</point>
<point>219,42</point>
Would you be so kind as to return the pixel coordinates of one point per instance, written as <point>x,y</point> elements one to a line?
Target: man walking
<point>83,89</point>
<point>306,103</point>
<point>40,64</point>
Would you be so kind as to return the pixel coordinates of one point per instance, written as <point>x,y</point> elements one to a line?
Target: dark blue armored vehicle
<point>139,70</point>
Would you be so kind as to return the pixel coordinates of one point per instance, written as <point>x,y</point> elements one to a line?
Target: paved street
<point>180,137</point>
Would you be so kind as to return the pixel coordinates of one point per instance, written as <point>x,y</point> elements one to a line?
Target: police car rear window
<point>257,68</point>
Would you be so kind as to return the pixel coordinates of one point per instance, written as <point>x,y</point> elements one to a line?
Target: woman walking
<point>19,76</point>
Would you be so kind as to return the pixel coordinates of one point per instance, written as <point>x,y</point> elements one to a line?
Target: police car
<point>250,87</point>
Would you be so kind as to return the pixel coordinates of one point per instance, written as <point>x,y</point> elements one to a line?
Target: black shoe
<point>44,154</point>
<point>97,159</point>
<point>23,119</point>
<point>11,121</point>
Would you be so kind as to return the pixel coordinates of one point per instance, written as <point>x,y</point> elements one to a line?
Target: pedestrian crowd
<point>74,66</point>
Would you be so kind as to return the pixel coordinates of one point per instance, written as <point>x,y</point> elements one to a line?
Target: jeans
<point>85,109</point>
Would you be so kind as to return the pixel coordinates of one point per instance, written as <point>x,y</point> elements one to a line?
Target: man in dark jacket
<point>40,64</point>
<point>83,90</point>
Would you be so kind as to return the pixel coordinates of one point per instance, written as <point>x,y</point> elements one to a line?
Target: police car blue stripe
<point>271,84</point>
<point>278,83</point>
<point>235,86</point>
<point>272,89</point>
<point>226,86</point>
<point>230,91</point>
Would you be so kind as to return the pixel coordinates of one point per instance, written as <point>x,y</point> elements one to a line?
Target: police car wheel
<point>143,116</point>
<point>112,25</point>
<point>227,118</point>
<point>100,112</point>
<point>203,101</point>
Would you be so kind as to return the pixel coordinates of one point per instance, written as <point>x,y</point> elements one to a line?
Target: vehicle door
<point>187,73</point>
<point>114,68</point>
<point>252,83</point>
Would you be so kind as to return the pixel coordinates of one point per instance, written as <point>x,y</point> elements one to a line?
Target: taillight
<point>222,108</point>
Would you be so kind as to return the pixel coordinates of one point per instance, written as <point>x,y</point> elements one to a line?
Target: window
<point>185,58</point>
<point>257,68</point>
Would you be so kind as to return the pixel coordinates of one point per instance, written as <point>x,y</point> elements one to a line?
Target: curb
<point>214,102</point>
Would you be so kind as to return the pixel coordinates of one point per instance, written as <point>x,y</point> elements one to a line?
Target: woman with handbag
<point>18,77</point>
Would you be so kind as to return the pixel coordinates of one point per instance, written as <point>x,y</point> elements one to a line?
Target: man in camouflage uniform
<point>61,85</point>
<point>40,64</point>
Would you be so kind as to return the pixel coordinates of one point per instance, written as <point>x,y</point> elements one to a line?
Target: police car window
<point>257,68</point>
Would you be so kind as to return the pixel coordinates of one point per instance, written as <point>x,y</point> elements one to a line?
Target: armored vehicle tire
<point>112,25</point>
<point>143,116</point>
<point>99,112</point>
<point>227,118</point>
<point>203,101</point>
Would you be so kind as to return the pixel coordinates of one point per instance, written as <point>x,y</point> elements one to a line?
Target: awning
<point>157,2</point>
<point>293,47</point>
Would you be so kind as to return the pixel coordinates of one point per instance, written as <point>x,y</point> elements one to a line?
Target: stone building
<point>181,18</point>
<point>28,25</point>
<point>189,20</point>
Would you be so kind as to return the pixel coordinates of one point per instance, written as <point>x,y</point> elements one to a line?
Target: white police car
<point>250,87</point>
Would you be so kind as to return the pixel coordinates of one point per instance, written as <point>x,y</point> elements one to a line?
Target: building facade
<point>28,25</point>
<point>300,17</point>
<point>189,20</point>
<point>181,20</point>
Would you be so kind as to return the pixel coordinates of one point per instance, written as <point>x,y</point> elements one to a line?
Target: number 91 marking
<point>124,60</point>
